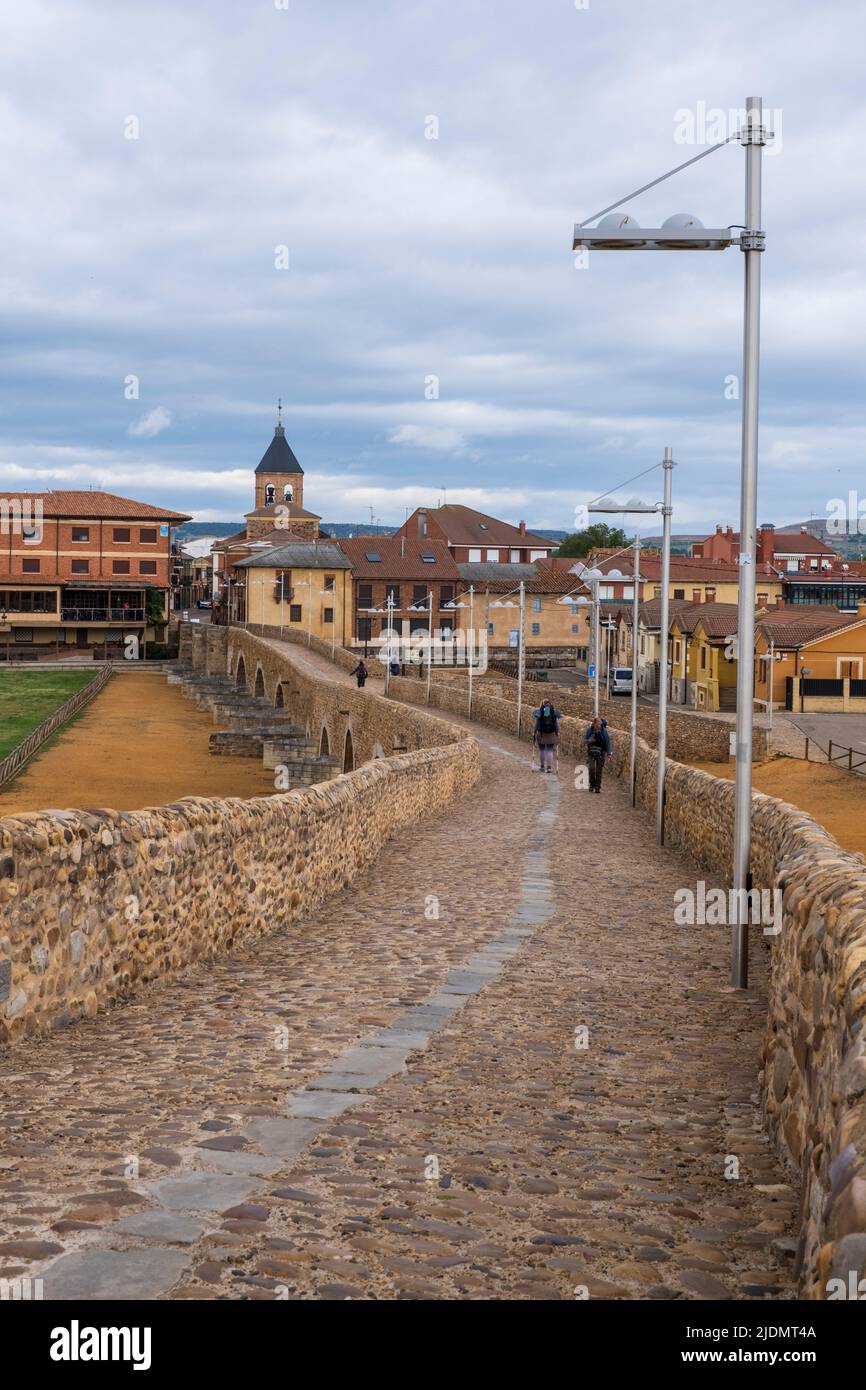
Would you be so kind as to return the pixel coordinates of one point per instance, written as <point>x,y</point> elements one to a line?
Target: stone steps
<point>282,750</point>
<point>305,772</point>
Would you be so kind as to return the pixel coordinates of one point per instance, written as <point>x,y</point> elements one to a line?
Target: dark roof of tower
<point>278,457</point>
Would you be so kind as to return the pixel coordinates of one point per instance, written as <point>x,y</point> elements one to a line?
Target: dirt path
<point>836,799</point>
<point>139,743</point>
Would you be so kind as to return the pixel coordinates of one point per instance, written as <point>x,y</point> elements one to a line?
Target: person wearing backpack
<point>598,747</point>
<point>545,733</point>
<point>362,673</point>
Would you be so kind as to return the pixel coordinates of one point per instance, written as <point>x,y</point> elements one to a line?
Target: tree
<point>599,536</point>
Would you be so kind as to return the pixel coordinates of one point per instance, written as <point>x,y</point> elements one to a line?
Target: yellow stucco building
<point>305,586</point>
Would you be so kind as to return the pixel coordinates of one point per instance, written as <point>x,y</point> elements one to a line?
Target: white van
<point>620,680</point>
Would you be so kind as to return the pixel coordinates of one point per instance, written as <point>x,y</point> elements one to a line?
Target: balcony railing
<point>102,615</point>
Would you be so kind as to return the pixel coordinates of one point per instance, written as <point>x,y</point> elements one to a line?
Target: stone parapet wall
<point>99,904</point>
<point>691,737</point>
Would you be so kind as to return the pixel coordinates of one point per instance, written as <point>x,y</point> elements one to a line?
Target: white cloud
<point>441,438</point>
<point>151,424</point>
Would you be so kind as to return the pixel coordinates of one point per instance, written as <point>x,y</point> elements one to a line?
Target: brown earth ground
<point>139,743</point>
<point>836,799</point>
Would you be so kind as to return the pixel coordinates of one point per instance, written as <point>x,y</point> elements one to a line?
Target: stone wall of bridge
<point>99,904</point>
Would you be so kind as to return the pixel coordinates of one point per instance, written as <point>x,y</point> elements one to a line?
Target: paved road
<point>395,1099</point>
<point>845,730</point>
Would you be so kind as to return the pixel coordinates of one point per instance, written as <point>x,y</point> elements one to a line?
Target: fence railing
<point>14,761</point>
<point>851,759</point>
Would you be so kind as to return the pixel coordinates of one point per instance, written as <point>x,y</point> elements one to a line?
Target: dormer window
<point>270,494</point>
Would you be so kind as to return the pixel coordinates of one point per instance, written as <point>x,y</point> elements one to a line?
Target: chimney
<point>766,537</point>
<point>730,533</point>
<point>422,523</point>
<point>718,529</point>
<point>522,528</point>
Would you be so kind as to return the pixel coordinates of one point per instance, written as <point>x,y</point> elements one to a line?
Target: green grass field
<point>28,697</point>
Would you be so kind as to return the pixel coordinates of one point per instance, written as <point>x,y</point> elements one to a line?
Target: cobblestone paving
<point>471,1150</point>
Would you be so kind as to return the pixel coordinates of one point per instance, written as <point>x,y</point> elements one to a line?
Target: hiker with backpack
<point>362,673</point>
<point>545,734</point>
<point>598,747</point>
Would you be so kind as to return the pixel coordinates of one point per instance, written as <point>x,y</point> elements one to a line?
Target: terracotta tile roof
<point>650,614</point>
<point>400,558</point>
<point>291,512</point>
<point>688,617</point>
<point>790,628</point>
<point>503,578</point>
<point>465,526</point>
<point>799,543</point>
<point>784,542</point>
<point>64,505</point>
<point>684,568</point>
<point>230,542</point>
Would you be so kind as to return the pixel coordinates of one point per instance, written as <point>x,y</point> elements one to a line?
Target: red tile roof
<point>63,505</point>
<point>465,526</point>
<point>797,626</point>
<point>401,558</point>
<point>784,542</point>
<point>684,568</point>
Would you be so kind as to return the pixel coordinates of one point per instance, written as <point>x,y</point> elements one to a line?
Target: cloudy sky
<point>365,206</point>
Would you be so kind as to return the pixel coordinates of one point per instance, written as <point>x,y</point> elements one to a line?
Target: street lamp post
<point>631,508</point>
<point>684,233</point>
<point>609,626</point>
<point>521,653</point>
<point>635,619</point>
<point>427,607</point>
<point>470,642</point>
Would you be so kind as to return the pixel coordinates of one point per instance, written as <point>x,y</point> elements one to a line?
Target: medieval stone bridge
<point>478,1063</point>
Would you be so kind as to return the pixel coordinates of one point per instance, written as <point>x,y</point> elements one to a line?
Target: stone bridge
<point>426,1030</point>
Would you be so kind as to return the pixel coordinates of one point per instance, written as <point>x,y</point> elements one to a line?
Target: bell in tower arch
<point>270,494</point>
<point>288,493</point>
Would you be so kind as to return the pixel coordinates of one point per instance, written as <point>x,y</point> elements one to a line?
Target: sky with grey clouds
<point>306,126</point>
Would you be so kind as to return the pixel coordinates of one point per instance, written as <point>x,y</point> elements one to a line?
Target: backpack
<point>547,723</point>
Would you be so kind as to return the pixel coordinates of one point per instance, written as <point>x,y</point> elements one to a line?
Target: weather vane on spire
<point>279,410</point>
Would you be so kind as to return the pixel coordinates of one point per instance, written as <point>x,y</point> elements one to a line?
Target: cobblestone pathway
<point>383,1103</point>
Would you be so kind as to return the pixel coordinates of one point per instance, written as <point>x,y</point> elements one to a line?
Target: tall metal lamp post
<point>618,231</point>
<point>666,508</point>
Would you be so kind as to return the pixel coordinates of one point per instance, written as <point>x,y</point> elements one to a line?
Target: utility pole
<point>752,245</point>
<point>521,658</point>
<point>664,623</point>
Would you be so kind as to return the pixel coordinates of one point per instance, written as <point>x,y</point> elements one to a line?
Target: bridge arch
<point>241,674</point>
<point>259,688</point>
<point>279,697</point>
<point>324,743</point>
<point>348,753</point>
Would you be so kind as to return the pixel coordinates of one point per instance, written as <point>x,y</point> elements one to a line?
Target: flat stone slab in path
<point>161,1225</point>
<point>321,1105</point>
<point>203,1191</point>
<point>113,1274</point>
<point>282,1138</point>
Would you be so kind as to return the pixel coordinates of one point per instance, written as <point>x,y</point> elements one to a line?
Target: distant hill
<point>680,545</point>
<point>192,530</point>
<point>356,528</point>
